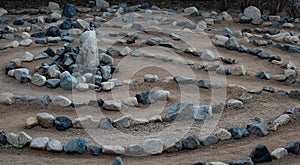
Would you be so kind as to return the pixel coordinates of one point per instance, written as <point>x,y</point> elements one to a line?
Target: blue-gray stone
<point>69,11</point>
<point>42,41</point>
<point>136,53</point>
<point>283,92</point>
<point>67,39</point>
<point>204,84</point>
<point>106,123</point>
<point>42,100</point>
<point>52,83</point>
<point>263,75</point>
<point>210,140</point>
<point>190,142</point>
<point>41,55</point>
<point>180,112</point>
<point>202,112</point>
<point>232,43</point>
<point>118,161</point>
<point>238,132</point>
<point>67,81</point>
<point>258,127</point>
<point>18,22</point>
<point>268,89</point>
<point>96,150</point>
<point>242,161</point>
<point>38,34</point>
<point>76,145</point>
<point>53,31</point>
<point>67,24</point>
<point>263,55</point>
<point>294,94</point>
<point>184,80</point>
<point>293,147</point>
<point>242,49</point>
<point>63,123</point>
<point>260,154</point>
<point>105,72</point>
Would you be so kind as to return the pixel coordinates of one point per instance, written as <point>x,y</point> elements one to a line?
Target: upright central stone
<point>88,55</point>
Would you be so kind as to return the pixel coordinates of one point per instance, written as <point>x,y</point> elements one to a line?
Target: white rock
<point>62,101</point>
<point>232,103</point>
<point>27,57</point>
<point>141,121</point>
<point>282,120</point>
<point>45,119</point>
<point>31,122</point>
<point>25,35</point>
<point>153,146</point>
<point>89,49</point>
<point>38,79</point>
<point>289,72</point>
<point>54,146</point>
<point>26,42</point>
<point>39,143</point>
<point>53,6</point>
<point>53,72</point>
<point>209,21</point>
<point>207,55</point>
<point>107,86</point>
<point>6,98</point>
<point>280,36</point>
<point>131,101</point>
<point>219,40</point>
<point>119,150</point>
<point>223,134</point>
<point>162,95</point>
<point>12,139</point>
<point>279,153</point>
<point>85,122</point>
<point>226,16</point>
<point>125,51</point>
<point>11,73</point>
<point>113,105</point>
<point>279,77</point>
<point>291,39</point>
<point>156,119</point>
<point>202,25</point>
<point>288,25</point>
<point>83,24</point>
<point>150,78</point>
<point>3,12</point>
<point>191,10</point>
<point>41,19</point>
<point>217,163</point>
<point>12,44</point>
<point>55,15</point>
<point>102,4</point>
<point>11,29</point>
<point>82,87</point>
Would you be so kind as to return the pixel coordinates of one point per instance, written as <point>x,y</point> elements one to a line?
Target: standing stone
<point>88,54</point>
<point>76,145</point>
<point>118,161</point>
<point>253,12</point>
<point>62,101</point>
<point>153,146</point>
<point>54,146</point>
<point>260,154</point>
<point>38,80</point>
<point>190,142</point>
<point>6,98</point>
<point>45,119</point>
<point>39,143</point>
<point>279,153</point>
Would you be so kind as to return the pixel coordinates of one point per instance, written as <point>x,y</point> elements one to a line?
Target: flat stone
<point>62,101</point>
<point>113,105</point>
<point>31,122</point>
<point>118,150</point>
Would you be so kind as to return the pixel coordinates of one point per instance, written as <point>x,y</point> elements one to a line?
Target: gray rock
<point>207,55</point>
<point>31,122</point>
<point>85,122</point>
<point>41,55</point>
<point>39,143</point>
<point>238,70</point>
<point>88,54</point>
<point>53,72</point>
<point>119,150</point>
<point>238,132</point>
<point>150,78</point>
<point>172,145</point>
<point>46,120</point>
<point>6,98</point>
<point>118,161</point>
<point>26,42</point>
<point>223,134</point>
<point>54,146</point>
<point>136,53</point>
<point>106,59</point>
<point>185,80</point>
<point>180,112</point>
<point>3,12</point>
<point>252,12</point>
<point>202,112</point>
<point>134,150</point>
<point>125,51</point>
<point>76,145</point>
<point>242,161</point>
<point>191,10</point>
<point>13,139</point>
<point>82,24</point>
<point>102,4</point>
<point>210,140</point>
<point>113,105</point>
<point>42,100</point>
<point>96,150</point>
<point>25,78</point>
<point>106,72</point>
<point>107,86</point>
<point>123,122</point>
<point>233,103</point>
<point>23,139</point>
<point>153,146</point>
<point>106,123</point>
<point>82,87</point>
<point>67,81</point>
<point>62,101</point>
<point>293,147</point>
<point>53,6</point>
<point>190,142</point>
<point>19,72</point>
<point>231,43</point>
<point>279,153</point>
<point>258,127</point>
<point>27,57</point>
<point>38,80</point>
<point>131,101</point>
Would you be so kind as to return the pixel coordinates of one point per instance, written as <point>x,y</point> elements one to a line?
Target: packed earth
<point>117,84</point>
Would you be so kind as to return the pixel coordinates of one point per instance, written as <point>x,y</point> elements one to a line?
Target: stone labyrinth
<point>140,80</point>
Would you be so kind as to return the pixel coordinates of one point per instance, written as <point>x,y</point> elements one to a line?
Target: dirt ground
<point>267,105</point>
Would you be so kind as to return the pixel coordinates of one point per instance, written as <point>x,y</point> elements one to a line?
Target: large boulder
<point>76,145</point>
<point>88,55</point>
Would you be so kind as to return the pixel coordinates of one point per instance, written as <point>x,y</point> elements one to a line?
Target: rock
<point>118,161</point>
<point>113,105</point>
<point>226,16</point>
<point>134,150</point>
<point>147,97</point>
<point>12,44</point>
<point>55,16</point>
<point>82,87</point>
<point>85,122</point>
<point>18,22</point>
<point>291,39</point>
<point>238,70</point>
<point>62,123</point>
<point>260,154</point>
<point>38,80</point>
<point>223,134</point>
<point>125,51</point>
<point>131,101</point>
<point>242,161</point>
<point>69,11</point>
<point>207,55</point>
<point>156,119</point>
<point>202,25</point>
<point>3,12</point>
<point>23,139</point>
<point>190,142</point>
<point>53,83</point>
<point>290,73</point>
<point>293,147</point>
<point>191,10</point>
<point>141,121</point>
<point>6,98</point>
<point>222,70</point>
<point>253,13</point>
<point>238,132</point>
<point>2,135</point>
<point>53,72</point>
<point>13,139</point>
<point>263,75</point>
<point>106,59</point>
<point>39,143</point>
<point>123,122</point>
<point>184,80</point>
<point>76,145</point>
<point>209,21</point>
<point>288,25</point>
<point>162,95</point>
<point>150,78</point>
<point>27,57</point>
<point>136,53</point>
<point>231,43</point>
<point>53,31</point>
<point>268,89</point>
<point>88,54</point>
<point>62,101</point>
<point>42,100</point>
<point>53,39</point>
<point>172,145</point>
<point>118,150</point>
<point>18,73</point>
<point>10,66</point>
<point>54,146</point>
<point>67,81</point>
<point>153,146</point>
<point>31,122</point>
<point>106,123</point>
<point>96,150</point>
<point>26,42</point>
<point>53,6</point>
<point>180,112</point>
<point>41,55</point>
<point>233,103</point>
<point>282,120</point>
<point>210,140</point>
<point>45,119</point>
<point>258,127</point>
<point>202,112</point>
<point>245,19</point>
<point>263,55</point>
<point>279,153</point>
<point>107,86</point>
<point>80,23</point>
<point>102,4</point>
<point>206,84</point>
<point>106,72</point>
